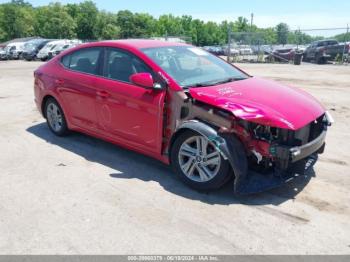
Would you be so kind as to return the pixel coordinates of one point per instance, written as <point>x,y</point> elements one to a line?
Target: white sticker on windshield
<point>198,51</point>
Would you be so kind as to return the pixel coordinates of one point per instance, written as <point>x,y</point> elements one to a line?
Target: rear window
<point>84,60</point>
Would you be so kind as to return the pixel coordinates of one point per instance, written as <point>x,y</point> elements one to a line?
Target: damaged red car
<point>177,103</point>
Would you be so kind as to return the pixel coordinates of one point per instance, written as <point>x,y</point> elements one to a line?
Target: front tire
<point>198,162</point>
<point>55,118</point>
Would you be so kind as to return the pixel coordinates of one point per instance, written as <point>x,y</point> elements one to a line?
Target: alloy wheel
<point>199,159</point>
<point>54,117</point>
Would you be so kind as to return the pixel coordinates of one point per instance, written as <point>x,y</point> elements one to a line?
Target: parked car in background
<point>245,50</point>
<point>186,107</point>
<point>281,55</point>
<point>325,50</point>
<point>43,54</point>
<point>3,55</point>
<point>32,47</point>
<point>215,50</point>
<point>14,50</point>
<point>62,46</point>
<point>233,51</point>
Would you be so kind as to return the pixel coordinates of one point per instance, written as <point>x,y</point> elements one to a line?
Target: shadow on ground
<point>131,165</point>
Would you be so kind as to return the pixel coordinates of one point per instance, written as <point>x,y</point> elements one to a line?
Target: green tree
<point>21,3</point>
<point>107,26</point>
<point>19,18</point>
<point>73,10</point>
<point>268,36</point>
<point>16,20</point>
<point>86,20</point>
<point>282,31</point>
<point>53,21</point>
<point>345,37</point>
<point>241,25</point>
<point>186,24</point>
<point>144,25</point>
<point>169,25</point>
<point>126,23</point>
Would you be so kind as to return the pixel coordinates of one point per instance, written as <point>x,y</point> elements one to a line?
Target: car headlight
<point>330,119</point>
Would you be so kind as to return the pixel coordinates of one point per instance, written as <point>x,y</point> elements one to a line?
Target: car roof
<point>140,43</point>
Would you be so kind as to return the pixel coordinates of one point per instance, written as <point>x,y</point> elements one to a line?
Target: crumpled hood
<point>262,101</point>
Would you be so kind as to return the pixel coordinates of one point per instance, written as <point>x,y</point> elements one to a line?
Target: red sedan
<point>177,103</point>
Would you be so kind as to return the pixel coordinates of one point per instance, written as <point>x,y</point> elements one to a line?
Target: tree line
<point>85,21</point>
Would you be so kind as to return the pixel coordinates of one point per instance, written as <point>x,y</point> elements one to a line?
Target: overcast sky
<point>305,14</point>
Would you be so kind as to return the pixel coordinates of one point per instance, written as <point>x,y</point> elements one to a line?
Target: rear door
<point>130,114</point>
<point>78,85</point>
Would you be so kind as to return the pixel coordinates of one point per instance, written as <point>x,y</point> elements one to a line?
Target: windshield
<point>190,66</point>
<point>30,46</point>
<point>58,47</point>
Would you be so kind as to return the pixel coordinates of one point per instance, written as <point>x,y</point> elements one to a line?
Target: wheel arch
<point>202,128</point>
<point>43,103</point>
<point>228,145</point>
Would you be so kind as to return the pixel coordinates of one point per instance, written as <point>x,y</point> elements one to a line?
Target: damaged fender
<point>228,145</point>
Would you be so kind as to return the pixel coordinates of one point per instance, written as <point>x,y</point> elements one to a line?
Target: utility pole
<point>251,28</point>
<point>298,37</point>
<point>229,43</point>
<point>251,22</point>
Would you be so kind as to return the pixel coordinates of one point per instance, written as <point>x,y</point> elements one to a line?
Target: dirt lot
<point>79,195</point>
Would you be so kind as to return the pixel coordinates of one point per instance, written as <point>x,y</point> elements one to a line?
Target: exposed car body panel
<point>262,101</point>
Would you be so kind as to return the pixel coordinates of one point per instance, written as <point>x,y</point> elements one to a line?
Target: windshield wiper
<point>197,85</point>
<point>227,80</point>
<point>213,83</point>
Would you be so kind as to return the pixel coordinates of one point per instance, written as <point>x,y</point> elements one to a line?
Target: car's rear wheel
<point>198,162</point>
<point>55,117</point>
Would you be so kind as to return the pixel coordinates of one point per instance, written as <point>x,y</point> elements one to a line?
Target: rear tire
<point>198,163</point>
<point>55,118</point>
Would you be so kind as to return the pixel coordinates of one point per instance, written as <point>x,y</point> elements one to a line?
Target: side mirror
<point>143,79</point>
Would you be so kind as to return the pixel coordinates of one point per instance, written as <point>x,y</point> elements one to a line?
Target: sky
<point>304,14</point>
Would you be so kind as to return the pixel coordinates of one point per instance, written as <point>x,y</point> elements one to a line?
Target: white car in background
<point>14,50</point>
<point>245,50</point>
<point>233,50</point>
<point>63,46</point>
<point>43,54</point>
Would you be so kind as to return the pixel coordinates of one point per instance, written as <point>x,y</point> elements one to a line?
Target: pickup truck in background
<point>325,50</point>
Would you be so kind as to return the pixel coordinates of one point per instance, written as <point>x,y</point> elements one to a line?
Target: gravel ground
<point>80,195</point>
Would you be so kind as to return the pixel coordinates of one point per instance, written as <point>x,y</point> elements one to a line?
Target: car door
<point>77,86</point>
<point>130,114</point>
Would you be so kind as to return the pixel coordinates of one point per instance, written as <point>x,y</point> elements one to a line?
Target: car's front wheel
<point>198,162</point>
<point>55,117</point>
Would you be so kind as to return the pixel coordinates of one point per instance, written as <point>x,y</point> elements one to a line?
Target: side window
<point>84,60</point>
<point>332,43</point>
<point>120,65</point>
<point>66,60</point>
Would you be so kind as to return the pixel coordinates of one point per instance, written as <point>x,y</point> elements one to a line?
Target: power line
<point>322,29</point>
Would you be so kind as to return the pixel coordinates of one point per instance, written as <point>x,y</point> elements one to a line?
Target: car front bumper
<point>291,162</point>
<point>29,56</point>
<point>256,182</point>
<point>296,153</point>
